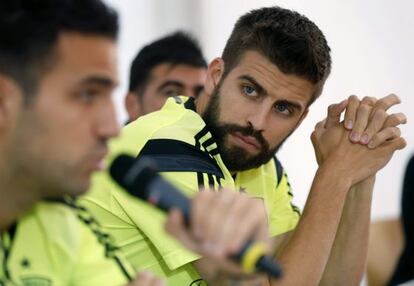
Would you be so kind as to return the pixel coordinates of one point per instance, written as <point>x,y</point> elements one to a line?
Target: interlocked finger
<point>361,122</point>
<point>395,119</point>
<point>386,134</point>
<point>334,113</point>
<point>351,111</point>
<point>375,125</point>
<point>386,102</point>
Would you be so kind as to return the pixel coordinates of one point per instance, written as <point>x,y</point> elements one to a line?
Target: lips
<point>98,159</point>
<point>248,142</point>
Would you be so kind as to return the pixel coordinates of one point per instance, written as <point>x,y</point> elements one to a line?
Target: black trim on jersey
<point>213,152</point>
<point>210,180</point>
<point>279,170</point>
<point>200,179</point>
<point>102,237</point>
<point>55,200</point>
<point>198,282</point>
<point>295,209</point>
<point>122,267</point>
<point>190,104</point>
<point>6,253</point>
<point>177,156</point>
<point>208,142</point>
<point>211,176</point>
<point>279,174</point>
<point>10,232</point>
<point>203,132</point>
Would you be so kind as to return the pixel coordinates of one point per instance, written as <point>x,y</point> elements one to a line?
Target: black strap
<point>177,156</point>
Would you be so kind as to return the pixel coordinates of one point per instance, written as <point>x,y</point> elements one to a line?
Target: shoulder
<point>273,170</point>
<point>55,217</point>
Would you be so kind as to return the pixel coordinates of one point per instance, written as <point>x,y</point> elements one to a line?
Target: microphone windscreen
<point>120,167</point>
<point>134,175</point>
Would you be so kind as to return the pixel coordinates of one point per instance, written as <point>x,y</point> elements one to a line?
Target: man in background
<point>170,66</point>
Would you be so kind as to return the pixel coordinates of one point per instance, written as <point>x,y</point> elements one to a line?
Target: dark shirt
<point>405,267</point>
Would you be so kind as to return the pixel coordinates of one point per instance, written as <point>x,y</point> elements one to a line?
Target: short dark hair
<point>178,48</point>
<point>288,39</point>
<point>29,30</point>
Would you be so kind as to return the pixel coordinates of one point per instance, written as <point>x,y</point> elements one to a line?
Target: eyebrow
<point>262,90</point>
<point>170,82</point>
<point>100,80</point>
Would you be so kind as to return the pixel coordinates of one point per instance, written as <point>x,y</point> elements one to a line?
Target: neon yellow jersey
<point>59,244</point>
<point>177,138</point>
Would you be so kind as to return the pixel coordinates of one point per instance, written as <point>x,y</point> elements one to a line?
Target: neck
<point>201,103</point>
<point>14,201</point>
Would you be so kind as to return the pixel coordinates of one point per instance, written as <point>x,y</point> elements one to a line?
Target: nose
<point>107,125</point>
<point>258,118</point>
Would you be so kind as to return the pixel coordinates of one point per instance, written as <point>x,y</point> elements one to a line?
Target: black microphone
<point>140,179</point>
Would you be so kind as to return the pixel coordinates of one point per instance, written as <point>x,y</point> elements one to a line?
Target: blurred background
<point>372,44</point>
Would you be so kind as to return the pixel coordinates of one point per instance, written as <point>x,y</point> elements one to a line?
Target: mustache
<point>246,131</point>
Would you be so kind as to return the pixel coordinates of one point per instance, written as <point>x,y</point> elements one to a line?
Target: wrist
<point>339,178</point>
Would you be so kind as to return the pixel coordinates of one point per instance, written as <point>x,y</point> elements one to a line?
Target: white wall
<point>372,43</point>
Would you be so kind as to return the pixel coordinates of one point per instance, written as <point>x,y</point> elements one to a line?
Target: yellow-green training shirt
<point>177,138</point>
<point>59,243</point>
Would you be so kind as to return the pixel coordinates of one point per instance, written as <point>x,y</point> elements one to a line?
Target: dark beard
<point>235,158</point>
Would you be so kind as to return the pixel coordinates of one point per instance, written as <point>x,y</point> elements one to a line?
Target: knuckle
<point>331,108</point>
<point>353,98</point>
<point>364,108</point>
<point>392,120</point>
<point>375,139</point>
<point>380,113</point>
<point>369,100</point>
<point>313,137</point>
<point>370,131</point>
<point>395,132</point>
<point>321,124</point>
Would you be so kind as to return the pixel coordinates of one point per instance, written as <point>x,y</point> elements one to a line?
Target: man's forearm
<point>305,256</point>
<point>348,256</point>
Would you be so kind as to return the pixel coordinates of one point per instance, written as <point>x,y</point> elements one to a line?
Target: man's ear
<point>133,106</point>
<point>214,73</point>
<point>11,97</point>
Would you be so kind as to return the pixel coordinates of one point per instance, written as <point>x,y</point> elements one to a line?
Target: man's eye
<point>171,92</point>
<point>88,95</point>
<point>249,91</point>
<point>283,108</point>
